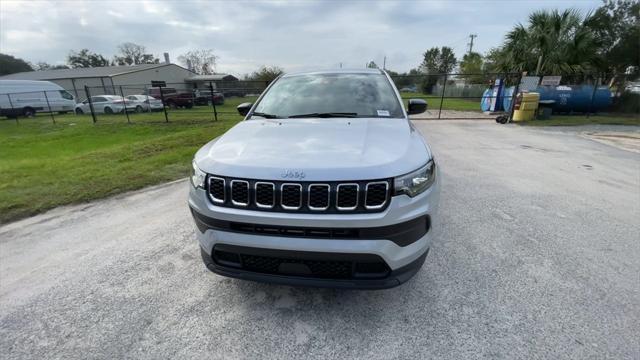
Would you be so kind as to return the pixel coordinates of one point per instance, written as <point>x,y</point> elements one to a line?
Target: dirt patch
<point>629,141</point>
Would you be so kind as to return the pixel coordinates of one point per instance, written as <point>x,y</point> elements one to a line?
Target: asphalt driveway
<point>537,256</point>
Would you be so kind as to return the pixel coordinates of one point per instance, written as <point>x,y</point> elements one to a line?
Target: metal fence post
<point>213,102</point>
<point>13,112</point>
<point>146,93</point>
<point>166,117</point>
<point>514,96</point>
<point>593,95</point>
<point>444,86</point>
<point>49,106</point>
<point>93,113</point>
<point>124,102</point>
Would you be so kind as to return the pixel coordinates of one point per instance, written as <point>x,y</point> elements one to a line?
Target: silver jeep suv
<point>325,183</point>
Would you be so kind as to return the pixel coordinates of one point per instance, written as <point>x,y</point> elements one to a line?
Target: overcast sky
<point>293,35</point>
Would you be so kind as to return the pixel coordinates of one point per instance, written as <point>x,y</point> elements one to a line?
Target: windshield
<point>355,95</point>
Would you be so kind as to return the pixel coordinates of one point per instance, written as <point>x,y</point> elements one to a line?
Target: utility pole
<point>384,63</point>
<point>471,36</point>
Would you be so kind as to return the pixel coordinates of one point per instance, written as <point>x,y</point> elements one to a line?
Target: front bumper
<point>391,279</point>
<point>379,234</point>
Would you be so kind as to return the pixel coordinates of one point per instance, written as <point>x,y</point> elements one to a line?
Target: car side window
<point>98,99</point>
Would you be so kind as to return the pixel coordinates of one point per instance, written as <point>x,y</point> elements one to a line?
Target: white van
<point>26,97</point>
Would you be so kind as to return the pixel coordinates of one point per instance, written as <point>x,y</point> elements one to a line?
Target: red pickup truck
<point>172,98</point>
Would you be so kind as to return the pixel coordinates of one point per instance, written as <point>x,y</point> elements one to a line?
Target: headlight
<point>197,176</point>
<point>417,181</point>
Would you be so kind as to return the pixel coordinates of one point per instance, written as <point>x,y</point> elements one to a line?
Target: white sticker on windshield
<point>383,113</point>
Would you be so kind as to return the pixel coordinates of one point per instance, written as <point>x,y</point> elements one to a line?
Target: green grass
<point>44,165</point>
<point>574,120</point>
<point>433,102</point>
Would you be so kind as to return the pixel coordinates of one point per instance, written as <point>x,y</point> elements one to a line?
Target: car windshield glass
<point>358,95</point>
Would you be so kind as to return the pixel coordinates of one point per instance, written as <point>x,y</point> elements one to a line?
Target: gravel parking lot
<point>537,256</point>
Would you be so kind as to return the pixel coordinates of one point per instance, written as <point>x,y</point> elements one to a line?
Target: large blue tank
<point>569,98</point>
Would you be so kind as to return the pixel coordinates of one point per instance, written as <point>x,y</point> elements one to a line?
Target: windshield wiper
<point>326,115</point>
<point>264,115</point>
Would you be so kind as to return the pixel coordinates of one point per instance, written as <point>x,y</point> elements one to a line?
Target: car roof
<point>337,71</point>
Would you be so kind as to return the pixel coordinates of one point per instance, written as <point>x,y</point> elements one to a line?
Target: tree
<point>471,67</point>
<point>402,80</point>
<point>11,65</point>
<point>42,65</point>
<point>436,61</point>
<point>86,59</point>
<point>201,61</point>
<point>266,73</point>
<point>616,29</point>
<point>372,65</point>
<point>553,42</point>
<point>134,54</point>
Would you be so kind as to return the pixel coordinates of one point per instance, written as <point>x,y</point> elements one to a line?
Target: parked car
<point>234,93</point>
<point>172,98</point>
<point>633,88</point>
<point>145,103</point>
<point>325,183</point>
<point>105,104</point>
<point>26,97</point>
<point>203,97</point>
<point>409,89</point>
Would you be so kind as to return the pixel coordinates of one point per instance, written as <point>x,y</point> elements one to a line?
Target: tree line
<point>202,61</point>
<point>552,42</point>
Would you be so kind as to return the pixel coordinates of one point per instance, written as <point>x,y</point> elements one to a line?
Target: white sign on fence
<point>550,80</point>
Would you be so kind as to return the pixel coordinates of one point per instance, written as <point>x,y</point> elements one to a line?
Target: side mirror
<point>416,106</point>
<point>244,108</point>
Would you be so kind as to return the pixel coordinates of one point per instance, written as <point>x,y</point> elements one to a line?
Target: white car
<point>105,104</point>
<point>633,88</point>
<point>145,103</point>
<point>325,183</point>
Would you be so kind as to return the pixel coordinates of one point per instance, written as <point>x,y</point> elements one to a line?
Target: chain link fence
<point>449,96</point>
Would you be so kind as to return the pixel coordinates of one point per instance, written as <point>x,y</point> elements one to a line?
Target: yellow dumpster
<point>526,106</point>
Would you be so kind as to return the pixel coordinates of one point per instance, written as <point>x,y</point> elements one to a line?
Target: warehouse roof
<point>105,71</point>
<point>214,77</point>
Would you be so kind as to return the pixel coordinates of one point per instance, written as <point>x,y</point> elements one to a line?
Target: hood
<point>321,149</point>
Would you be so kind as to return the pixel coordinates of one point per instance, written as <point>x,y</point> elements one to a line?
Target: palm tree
<point>552,43</point>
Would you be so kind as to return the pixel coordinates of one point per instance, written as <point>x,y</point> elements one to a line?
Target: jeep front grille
<point>312,197</point>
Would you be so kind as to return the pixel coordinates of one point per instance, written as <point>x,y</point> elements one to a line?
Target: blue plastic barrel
<point>569,98</point>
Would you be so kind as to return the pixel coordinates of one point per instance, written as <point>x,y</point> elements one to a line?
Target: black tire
<point>139,109</point>
<point>108,110</point>
<point>62,112</point>
<point>189,106</point>
<point>79,111</point>
<point>28,112</point>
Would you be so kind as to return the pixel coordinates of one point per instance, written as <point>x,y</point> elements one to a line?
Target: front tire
<point>108,110</point>
<point>139,109</point>
<point>79,112</point>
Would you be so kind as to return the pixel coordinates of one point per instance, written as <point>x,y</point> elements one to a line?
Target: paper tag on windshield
<point>383,113</point>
